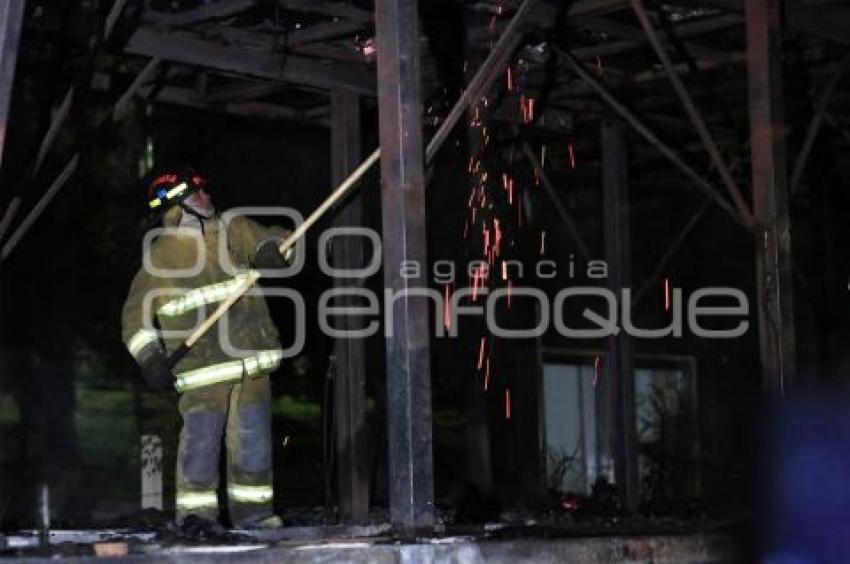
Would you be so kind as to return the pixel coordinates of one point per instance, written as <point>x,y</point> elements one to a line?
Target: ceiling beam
<point>627,32</point>
<point>830,21</point>
<point>187,48</point>
<point>326,8</point>
<point>688,29</point>
<point>244,92</point>
<point>187,97</point>
<point>256,39</point>
<point>321,31</point>
<point>220,9</point>
<point>547,11</point>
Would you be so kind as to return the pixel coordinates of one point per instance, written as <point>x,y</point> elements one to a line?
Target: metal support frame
<point>350,385</point>
<point>618,392</point>
<point>770,196</point>
<point>814,125</point>
<point>693,114</point>
<point>647,134</point>
<point>11,21</point>
<point>411,467</point>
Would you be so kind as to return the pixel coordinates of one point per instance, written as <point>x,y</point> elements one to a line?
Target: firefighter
<point>223,380</point>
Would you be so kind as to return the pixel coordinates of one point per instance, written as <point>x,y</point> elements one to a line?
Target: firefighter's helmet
<point>171,187</point>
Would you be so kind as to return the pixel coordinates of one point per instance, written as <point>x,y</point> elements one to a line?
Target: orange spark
<point>481,349</point>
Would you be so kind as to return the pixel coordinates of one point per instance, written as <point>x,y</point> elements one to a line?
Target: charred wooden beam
<point>351,447</point>
<point>335,9</point>
<point>187,97</point>
<point>774,283</point>
<point>617,390</point>
<point>204,12</point>
<point>188,48</point>
<point>411,462</point>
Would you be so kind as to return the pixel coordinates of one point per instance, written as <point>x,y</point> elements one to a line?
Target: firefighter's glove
<point>156,373</point>
<point>268,255</point>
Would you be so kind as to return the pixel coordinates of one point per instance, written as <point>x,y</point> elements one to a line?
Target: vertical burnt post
<point>411,467</point>
<point>11,21</point>
<point>617,387</point>
<point>350,384</point>
<point>774,285</point>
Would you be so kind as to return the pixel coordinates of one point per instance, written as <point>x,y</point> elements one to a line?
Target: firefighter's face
<point>201,202</point>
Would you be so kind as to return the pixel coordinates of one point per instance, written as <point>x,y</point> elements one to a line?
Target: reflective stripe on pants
<point>250,494</point>
<point>189,501</point>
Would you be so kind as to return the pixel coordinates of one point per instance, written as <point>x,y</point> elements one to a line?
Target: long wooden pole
<point>482,80</point>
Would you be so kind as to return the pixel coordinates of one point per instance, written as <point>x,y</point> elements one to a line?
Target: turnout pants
<point>241,414</point>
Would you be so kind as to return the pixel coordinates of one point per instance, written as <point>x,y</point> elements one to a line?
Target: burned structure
<point>683,157</point>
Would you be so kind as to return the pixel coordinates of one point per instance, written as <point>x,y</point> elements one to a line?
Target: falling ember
<point>504,181</point>
<point>475,285</point>
<point>666,293</point>
<point>481,350</point>
<point>572,151</point>
<point>447,320</point>
<point>504,270</point>
<point>543,156</point>
<point>543,242</point>
<point>531,109</point>
<point>286,441</point>
<point>487,375</point>
<point>510,80</point>
<point>599,64</point>
<point>509,294</point>
<point>597,368</point>
<point>511,193</point>
<point>508,404</point>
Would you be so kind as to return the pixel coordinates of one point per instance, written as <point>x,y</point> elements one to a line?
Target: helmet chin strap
<point>196,214</point>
